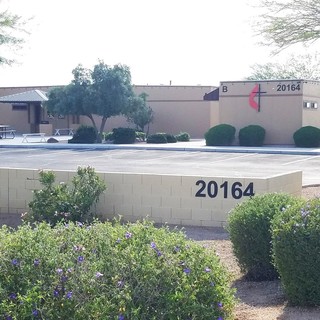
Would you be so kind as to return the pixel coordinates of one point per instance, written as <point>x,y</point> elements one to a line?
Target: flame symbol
<point>253,94</point>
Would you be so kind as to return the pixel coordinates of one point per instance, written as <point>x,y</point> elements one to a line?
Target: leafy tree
<point>287,22</point>
<point>11,27</point>
<point>104,91</point>
<point>142,114</point>
<point>296,67</point>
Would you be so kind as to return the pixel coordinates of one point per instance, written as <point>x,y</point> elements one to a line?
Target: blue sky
<point>186,42</point>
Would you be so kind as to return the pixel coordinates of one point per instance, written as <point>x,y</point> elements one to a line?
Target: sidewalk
<point>198,145</point>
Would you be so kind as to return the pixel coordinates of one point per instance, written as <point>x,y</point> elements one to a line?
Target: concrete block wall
<point>173,199</point>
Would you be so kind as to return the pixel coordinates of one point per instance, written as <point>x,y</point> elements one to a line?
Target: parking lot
<point>164,162</point>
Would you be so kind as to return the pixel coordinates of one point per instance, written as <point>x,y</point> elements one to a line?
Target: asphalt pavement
<point>184,158</point>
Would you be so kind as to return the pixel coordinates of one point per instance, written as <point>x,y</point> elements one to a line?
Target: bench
<point>29,135</point>
<point>68,131</point>
<point>4,132</point>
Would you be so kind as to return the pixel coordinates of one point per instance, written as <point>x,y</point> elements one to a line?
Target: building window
<point>310,105</point>
<point>19,107</point>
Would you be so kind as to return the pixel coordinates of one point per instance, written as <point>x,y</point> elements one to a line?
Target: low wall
<point>172,199</point>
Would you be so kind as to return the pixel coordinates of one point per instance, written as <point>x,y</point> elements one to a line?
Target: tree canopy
<point>287,22</point>
<point>11,27</point>
<point>141,115</point>
<point>104,91</point>
<point>296,67</point>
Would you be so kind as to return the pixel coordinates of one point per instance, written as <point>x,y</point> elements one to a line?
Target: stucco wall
<point>280,108</point>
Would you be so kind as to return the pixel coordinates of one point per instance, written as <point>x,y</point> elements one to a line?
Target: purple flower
<point>69,295</point>
<point>153,245</point>
<point>12,296</point>
<point>159,254</point>
<point>120,284</point>
<point>128,235</point>
<point>220,318</point>
<point>121,317</point>
<point>99,274</point>
<point>35,312</point>
<point>36,262</point>
<point>8,317</point>
<point>80,259</point>
<point>176,249</point>
<point>220,305</point>
<point>212,284</point>
<point>118,240</point>
<point>186,270</point>
<point>56,293</point>
<point>79,224</point>
<point>64,278</point>
<point>59,271</point>
<point>15,262</point>
<point>69,270</point>
<point>207,269</point>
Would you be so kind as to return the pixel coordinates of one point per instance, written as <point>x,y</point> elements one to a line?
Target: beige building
<point>281,107</point>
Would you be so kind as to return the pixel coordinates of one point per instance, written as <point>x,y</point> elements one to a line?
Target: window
<point>310,105</point>
<point>19,106</point>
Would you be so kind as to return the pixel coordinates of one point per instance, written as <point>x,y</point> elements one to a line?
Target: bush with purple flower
<point>127,271</point>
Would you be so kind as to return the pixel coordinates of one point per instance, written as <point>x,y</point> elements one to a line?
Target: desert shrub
<point>249,226</point>
<point>296,243</point>
<point>140,136</point>
<point>56,202</point>
<point>307,137</point>
<point>170,138</point>
<point>220,135</point>
<point>124,135</point>
<point>84,134</point>
<point>157,138</point>
<point>183,136</point>
<point>109,271</point>
<point>108,136</point>
<point>252,136</point>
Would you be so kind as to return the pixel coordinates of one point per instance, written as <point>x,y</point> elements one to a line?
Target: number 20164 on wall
<point>235,190</point>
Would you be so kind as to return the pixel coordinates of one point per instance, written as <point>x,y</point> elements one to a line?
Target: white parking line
<point>301,160</point>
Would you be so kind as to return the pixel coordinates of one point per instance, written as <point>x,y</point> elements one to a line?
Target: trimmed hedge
<point>123,135</point>
<point>296,243</point>
<point>220,135</point>
<point>84,134</point>
<point>157,138</point>
<point>249,225</point>
<point>307,137</point>
<point>183,136</point>
<point>252,136</point>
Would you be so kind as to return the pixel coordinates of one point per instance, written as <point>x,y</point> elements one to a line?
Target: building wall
<point>281,104</point>
<point>311,104</point>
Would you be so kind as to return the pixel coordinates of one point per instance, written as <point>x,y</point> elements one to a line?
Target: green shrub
<point>220,135</point>
<point>124,135</point>
<point>59,202</point>
<point>183,136</point>
<point>296,243</point>
<point>170,138</point>
<point>307,137</point>
<point>108,136</point>
<point>84,134</point>
<point>140,136</point>
<point>109,271</point>
<point>249,227</point>
<point>157,138</point>
<point>252,136</point>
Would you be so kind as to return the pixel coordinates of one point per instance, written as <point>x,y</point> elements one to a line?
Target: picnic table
<point>59,131</point>
<point>6,131</point>
<point>41,135</point>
